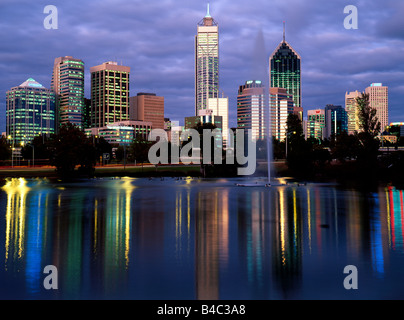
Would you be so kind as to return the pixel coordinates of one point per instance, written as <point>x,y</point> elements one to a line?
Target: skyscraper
<point>68,85</point>
<point>30,112</point>
<point>379,100</point>
<point>352,110</point>
<point>336,121</point>
<point>148,107</point>
<point>206,62</point>
<point>281,105</point>
<point>251,108</point>
<point>285,71</point>
<point>109,94</point>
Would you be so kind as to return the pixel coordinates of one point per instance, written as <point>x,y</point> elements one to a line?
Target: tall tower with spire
<point>285,70</point>
<point>206,62</point>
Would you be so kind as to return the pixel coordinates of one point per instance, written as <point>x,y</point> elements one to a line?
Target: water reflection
<point>195,239</point>
<point>15,222</point>
<point>287,241</point>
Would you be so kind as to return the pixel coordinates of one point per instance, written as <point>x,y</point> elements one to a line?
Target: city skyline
<point>160,47</point>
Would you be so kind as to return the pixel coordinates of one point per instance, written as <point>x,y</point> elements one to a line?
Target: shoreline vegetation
<point>348,173</point>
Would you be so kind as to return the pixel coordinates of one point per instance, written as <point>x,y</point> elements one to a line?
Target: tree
<point>299,157</point>
<point>39,143</point>
<point>370,129</point>
<point>5,149</point>
<point>119,153</point>
<point>368,121</point>
<point>70,148</point>
<point>278,148</point>
<point>139,150</point>
<point>345,146</point>
<point>102,146</point>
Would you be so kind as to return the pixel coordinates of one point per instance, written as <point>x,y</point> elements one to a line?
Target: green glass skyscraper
<point>30,112</point>
<point>285,71</point>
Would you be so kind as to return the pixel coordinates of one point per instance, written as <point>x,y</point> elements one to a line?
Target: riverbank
<point>104,171</point>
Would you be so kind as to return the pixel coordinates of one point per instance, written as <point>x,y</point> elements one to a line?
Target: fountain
<point>260,71</point>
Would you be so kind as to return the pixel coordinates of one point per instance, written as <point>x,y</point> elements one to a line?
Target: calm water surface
<point>198,239</point>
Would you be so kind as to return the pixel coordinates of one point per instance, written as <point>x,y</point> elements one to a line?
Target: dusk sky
<point>156,39</point>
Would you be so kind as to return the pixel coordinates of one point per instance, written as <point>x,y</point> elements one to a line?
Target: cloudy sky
<point>156,39</point>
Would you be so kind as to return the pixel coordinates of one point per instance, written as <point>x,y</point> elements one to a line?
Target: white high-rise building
<point>251,108</point>
<point>206,62</point>
<point>379,100</point>
<point>281,105</point>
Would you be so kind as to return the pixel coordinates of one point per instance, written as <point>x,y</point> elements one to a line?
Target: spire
<point>208,13</point>
<point>284,31</point>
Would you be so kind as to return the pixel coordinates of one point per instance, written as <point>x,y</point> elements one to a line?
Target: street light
<point>286,142</point>
<point>33,153</point>
<point>12,150</point>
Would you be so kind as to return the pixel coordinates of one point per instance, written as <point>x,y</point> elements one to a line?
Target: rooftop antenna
<point>284,31</point>
<point>208,13</point>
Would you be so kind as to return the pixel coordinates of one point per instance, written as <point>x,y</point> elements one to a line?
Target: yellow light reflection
<point>127,224</point>
<point>188,217</point>
<point>16,190</point>
<point>178,221</point>
<point>118,227</point>
<point>224,225</point>
<point>309,217</point>
<point>128,187</point>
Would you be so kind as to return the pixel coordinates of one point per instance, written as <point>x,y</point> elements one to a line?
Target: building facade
<point>220,108</point>
<point>122,133</point>
<point>68,85</point>
<point>206,62</point>
<point>336,121</point>
<point>251,108</point>
<point>281,105</point>
<point>379,100</point>
<point>315,124</point>
<point>351,108</point>
<point>30,111</point>
<point>86,116</point>
<point>204,118</point>
<point>285,71</point>
<point>148,107</point>
<point>109,94</point>
<point>396,128</point>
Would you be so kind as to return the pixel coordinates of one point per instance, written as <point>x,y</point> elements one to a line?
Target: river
<point>191,238</point>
